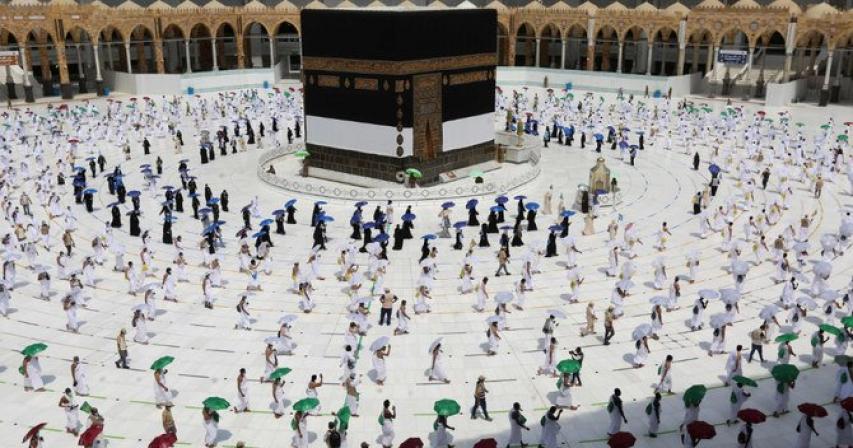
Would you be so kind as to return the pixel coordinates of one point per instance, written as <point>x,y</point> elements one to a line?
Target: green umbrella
<point>831,329</point>
<point>446,407</point>
<point>785,373</point>
<point>301,154</point>
<point>694,395</point>
<point>215,403</point>
<point>279,373</point>
<point>343,415</point>
<point>744,380</point>
<point>842,360</point>
<point>847,321</point>
<point>769,120</point>
<point>34,349</point>
<point>825,126</point>
<point>800,124</point>
<point>842,137</point>
<point>414,172</point>
<point>306,404</point>
<point>707,109</point>
<point>162,362</point>
<point>569,366</point>
<point>475,173</point>
<point>786,337</point>
<point>86,407</point>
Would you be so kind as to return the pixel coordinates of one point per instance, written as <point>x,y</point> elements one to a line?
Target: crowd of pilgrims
<point>45,151</point>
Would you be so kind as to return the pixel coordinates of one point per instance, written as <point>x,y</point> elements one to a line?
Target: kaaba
<point>386,91</point>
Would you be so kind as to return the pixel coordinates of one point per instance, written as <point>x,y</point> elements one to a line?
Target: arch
<point>525,45</point>
<point>201,47</point>
<point>111,42</point>
<point>606,59</point>
<point>809,45</point>
<point>8,39</point>
<point>256,45</point>
<point>287,49</point>
<point>141,46</point>
<point>636,47</point>
<point>286,27</point>
<point>78,48</point>
<point>174,49</point>
<point>550,46</point>
<point>700,51</point>
<point>40,47</point>
<point>503,44</point>
<point>226,46</point>
<point>664,47</point>
<point>576,46</point>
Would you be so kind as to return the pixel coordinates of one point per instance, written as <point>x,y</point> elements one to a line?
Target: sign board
<point>732,56</point>
<point>8,58</point>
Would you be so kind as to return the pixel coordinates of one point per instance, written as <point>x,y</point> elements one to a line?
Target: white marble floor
<point>208,350</point>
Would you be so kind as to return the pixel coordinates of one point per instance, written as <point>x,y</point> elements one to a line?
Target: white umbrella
<point>287,318</point>
<point>846,229</point>
<point>658,300</point>
<point>807,303</point>
<point>272,340</point>
<point>568,240</point>
<point>693,254</point>
<point>12,256</point>
<point>380,342</point>
<point>658,262</point>
<point>503,297</point>
<point>709,294</point>
<point>559,314</point>
<point>823,268</point>
<point>802,246</point>
<point>740,267</point>
<point>434,344</point>
<point>492,319</point>
<point>151,286</point>
<point>729,296</point>
<point>625,285</point>
<point>829,294</point>
<point>641,331</point>
<point>769,311</point>
<point>720,319</point>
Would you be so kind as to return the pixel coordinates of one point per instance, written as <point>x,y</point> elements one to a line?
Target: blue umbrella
<point>360,203</point>
<point>460,224</point>
<point>368,225</point>
<point>213,201</point>
<point>259,234</point>
<point>167,187</point>
<point>381,238</point>
<point>145,165</point>
<point>496,209</point>
<point>210,229</point>
<point>600,191</point>
<point>520,197</point>
<point>265,222</point>
<point>91,159</point>
<point>133,193</point>
<point>506,227</point>
<point>194,195</point>
<point>555,228</point>
<point>326,218</point>
<point>408,217</point>
<point>289,203</point>
<point>471,203</point>
<point>640,132</point>
<point>501,199</point>
<point>320,202</point>
<point>220,223</point>
<point>626,129</point>
<point>623,144</point>
<point>714,169</point>
<point>532,206</point>
<point>599,136</point>
<point>90,191</point>
<point>568,213</point>
<point>278,212</point>
<point>184,161</point>
<point>428,237</point>
<point>172,218</point>
<point>204,210</point>
<point>447,204</point>
<point>79,168</point>
<point>633,146</point>
<point>145,170</point>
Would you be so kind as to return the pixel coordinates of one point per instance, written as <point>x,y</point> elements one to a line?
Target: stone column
<point>215,59</point>
<point>127,55</point>
<point>749,58</point>
<point>28,86</point>
<point>790,46</point>
<point>510,54</point>
<point>189,58</point>
<point>44,63</point>
<point>563,44</point>
<point>10,85</point>
<point>159,61</point>
<point>272,52</point>
<point>835,89</point>
<point>109,51</point>
<point>649,59</point>
<point>81,74</point>
<point>682,46</point>
<point>619,61</point>
<point>786,73</point>
<point>824,91</point>
<point>590,54</point>
<point>241,50</point>
<point>99,81</point>
<point>64,80</point>
<point>694,66</point>
<point>141,59</point>
<point>682,53</point>
<point>605,57</point>
<point>712,61</point>
<point>538,45</point>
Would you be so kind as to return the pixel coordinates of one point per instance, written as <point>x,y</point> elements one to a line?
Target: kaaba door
<point>427,115</point>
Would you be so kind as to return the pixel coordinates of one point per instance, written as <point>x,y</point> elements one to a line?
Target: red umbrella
<point>812,410</point>
<point>848,123</point>
<point>33,431</point>
<point>163,441</point>
<point>751,416</point>
<point>133,99</point>
<point>412,442</point>
<point>486,443</point>
<point>88,437</point>
<point>847,404</point>
<point>761,112</point>
<point>622,440</point>
<point>701,430</point>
